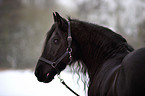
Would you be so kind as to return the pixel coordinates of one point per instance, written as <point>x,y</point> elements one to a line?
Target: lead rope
<point>62,81</point>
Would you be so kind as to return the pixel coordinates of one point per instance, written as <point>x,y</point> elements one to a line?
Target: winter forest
<point>24,24</point>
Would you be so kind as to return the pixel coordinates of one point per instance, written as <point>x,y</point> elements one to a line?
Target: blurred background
<point>24,24</point>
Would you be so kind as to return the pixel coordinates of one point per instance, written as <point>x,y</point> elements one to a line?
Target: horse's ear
<point>54,17</point>
<point>59,20</point>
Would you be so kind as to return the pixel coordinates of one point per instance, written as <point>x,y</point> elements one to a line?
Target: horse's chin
<point>47,79</point>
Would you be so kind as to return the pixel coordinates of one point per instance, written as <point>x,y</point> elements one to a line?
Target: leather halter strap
<point>67,52</point>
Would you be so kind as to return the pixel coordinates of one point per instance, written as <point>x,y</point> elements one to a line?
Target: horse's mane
<point>110,42</point>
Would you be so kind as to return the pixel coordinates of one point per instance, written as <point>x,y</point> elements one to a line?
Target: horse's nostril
<point>47,74</point>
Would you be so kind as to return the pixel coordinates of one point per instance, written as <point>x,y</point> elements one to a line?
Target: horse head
<point>57,52</point>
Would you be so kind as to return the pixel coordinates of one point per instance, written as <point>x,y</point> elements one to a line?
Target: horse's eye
<point>56,41</point>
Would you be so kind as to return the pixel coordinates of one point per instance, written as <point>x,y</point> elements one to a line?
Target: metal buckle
<point>69,38</point>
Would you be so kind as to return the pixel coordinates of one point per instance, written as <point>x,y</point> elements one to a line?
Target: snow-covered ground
<point>24,83</point>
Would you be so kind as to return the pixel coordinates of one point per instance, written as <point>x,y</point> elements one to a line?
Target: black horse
<point>113,66</point>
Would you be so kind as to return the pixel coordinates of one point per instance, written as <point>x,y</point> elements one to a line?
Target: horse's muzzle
<point>46,78</point>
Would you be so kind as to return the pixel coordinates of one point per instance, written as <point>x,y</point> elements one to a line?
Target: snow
<point>24,83</point>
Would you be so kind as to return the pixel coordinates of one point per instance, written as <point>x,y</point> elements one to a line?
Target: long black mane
<point>102,43</point>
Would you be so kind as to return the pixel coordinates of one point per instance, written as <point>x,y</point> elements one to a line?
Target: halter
<point>67,52</point>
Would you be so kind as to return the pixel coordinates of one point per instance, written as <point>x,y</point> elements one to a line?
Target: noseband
<point>67,52</point>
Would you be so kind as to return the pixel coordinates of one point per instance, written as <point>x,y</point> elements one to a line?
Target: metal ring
<point>53,65</point>
<point>69,50</point>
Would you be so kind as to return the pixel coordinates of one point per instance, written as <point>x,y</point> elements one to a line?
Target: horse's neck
<point>90,53</point>
<point>90,59</point>
<point>95,48</point>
